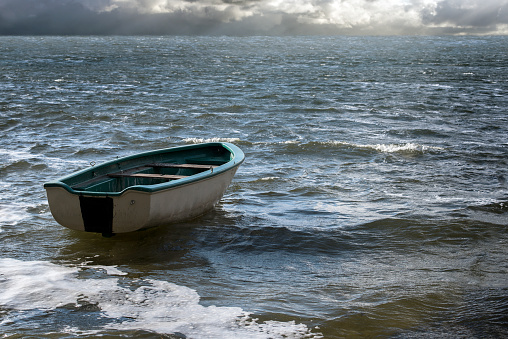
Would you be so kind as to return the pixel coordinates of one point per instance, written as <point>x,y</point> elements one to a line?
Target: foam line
<point>136,304</point>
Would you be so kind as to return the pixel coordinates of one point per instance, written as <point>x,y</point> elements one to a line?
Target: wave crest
<point>383,148</point>
<point>201,140</point>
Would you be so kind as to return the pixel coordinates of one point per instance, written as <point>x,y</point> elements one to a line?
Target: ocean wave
<point>382,148</point>
<point>12,214</point>
<point>317,145</point>
<point>494,212</point>
<point>15,155</point>
<point>201,140</point>
<point>268,178</point>
<point>408,147</point>
<point>387,148</point>
<point>24,160</point>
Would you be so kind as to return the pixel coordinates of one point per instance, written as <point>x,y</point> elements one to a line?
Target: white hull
<point>134,210</point>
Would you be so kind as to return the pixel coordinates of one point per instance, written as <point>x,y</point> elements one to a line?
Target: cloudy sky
<point>249,17</point>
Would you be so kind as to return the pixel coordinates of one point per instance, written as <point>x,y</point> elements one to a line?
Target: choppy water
<point>373,201</point>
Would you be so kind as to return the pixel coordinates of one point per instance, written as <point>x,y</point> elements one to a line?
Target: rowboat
<point>144,190</point>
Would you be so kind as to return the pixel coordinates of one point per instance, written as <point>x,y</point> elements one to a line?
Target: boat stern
<point>65,208</point>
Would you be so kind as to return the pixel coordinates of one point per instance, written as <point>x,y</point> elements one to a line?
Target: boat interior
<point>139,171</point>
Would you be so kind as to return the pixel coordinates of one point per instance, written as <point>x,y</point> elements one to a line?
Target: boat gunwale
<point>235,161</point>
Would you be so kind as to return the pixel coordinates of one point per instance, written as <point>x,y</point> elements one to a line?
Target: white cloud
<point>286,16</point>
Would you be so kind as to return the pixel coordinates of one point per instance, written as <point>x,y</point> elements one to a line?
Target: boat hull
<point>136,210</point>
<point>139,207</point>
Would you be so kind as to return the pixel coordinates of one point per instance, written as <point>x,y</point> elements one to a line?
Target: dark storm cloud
<point>244,17</point>
<point>46,17</point>
<point>469,16</point>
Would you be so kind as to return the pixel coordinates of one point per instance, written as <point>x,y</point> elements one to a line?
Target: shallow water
<point>373,201</point>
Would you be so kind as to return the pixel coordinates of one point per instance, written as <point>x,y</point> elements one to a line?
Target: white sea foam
<point>145,304</point>
<point>12,156</point>
<point>390,148</point>
<point>200,140</point>
<point>408,147</point>
<point>12,214</point>
<point>15,154</point>
<point>384,148</point>
<point>269,178</point>
<point>110,270</point>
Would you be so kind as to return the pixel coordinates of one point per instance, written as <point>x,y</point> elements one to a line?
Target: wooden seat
<point>191,166</point>
<point>147,175</point>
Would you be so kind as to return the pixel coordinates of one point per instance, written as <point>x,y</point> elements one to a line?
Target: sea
<point>372,203</point>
